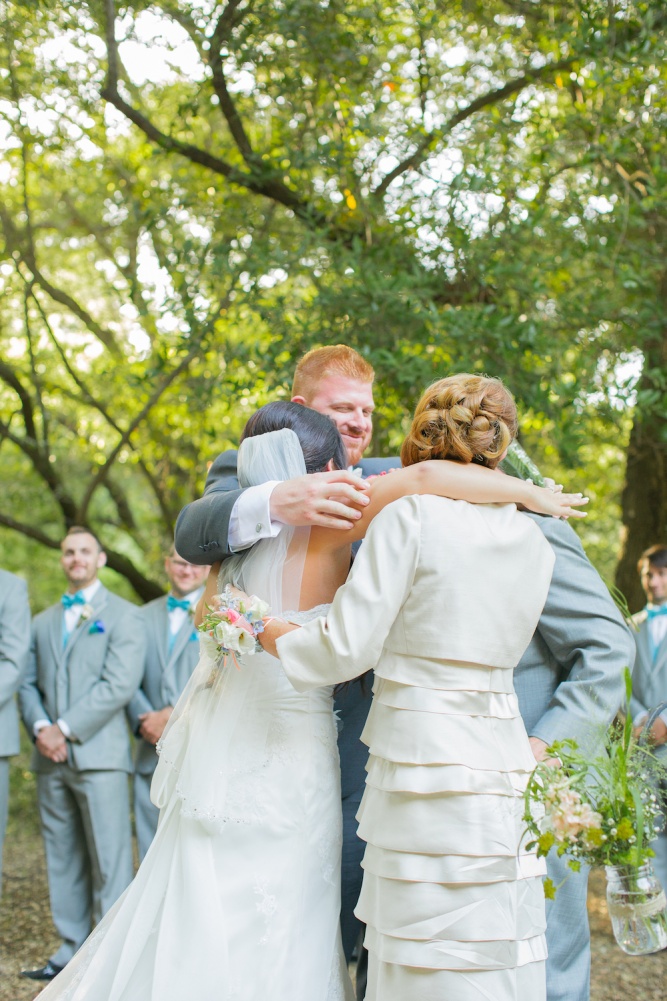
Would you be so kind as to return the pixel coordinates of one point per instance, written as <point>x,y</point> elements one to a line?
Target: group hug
<point>349,797</point>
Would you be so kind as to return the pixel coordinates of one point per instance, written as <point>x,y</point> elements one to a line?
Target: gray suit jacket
<point>14,645</point>
<point>165,674</point>
<point>570,680</point>
<point>203,526</point>
<point>88,683</point>
<point>649,681</point>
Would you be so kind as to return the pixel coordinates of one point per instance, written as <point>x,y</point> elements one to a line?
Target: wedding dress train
<point>238,898</point>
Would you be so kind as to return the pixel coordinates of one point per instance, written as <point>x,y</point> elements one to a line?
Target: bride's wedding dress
<point>238,897</point>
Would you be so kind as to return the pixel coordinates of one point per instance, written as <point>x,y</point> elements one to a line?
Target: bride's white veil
<point>273,568</point>
<point>197,749</point>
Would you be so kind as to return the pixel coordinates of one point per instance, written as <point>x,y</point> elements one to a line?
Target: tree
<point>439,185</point>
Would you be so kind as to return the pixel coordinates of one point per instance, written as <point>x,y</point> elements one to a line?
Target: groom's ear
<point>299,399</point>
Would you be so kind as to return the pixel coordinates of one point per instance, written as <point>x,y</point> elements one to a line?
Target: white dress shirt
<point>250,519</point>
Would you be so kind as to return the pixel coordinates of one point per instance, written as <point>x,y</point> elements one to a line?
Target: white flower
<point>246,643</point>
<point>208,646</point>
<point>86,612</point>
<point>234,638</point>
<point>255,608</point>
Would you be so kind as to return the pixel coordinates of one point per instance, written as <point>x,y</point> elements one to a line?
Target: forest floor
<point>27,935</point>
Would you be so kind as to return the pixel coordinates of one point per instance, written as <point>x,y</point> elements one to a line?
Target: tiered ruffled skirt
<point>454,907</point>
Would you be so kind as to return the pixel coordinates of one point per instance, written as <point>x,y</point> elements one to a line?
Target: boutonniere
<point>194,637</point>
<point>97,627</point>
<point>86,612</point>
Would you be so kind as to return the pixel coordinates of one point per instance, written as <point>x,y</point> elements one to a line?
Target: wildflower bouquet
<point>232,625</point>
<point>604,810</point>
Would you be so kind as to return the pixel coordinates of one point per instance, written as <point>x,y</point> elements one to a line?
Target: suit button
<point>259,526</point>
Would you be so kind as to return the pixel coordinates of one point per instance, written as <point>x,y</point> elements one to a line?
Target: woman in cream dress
<point>238,897</point>
<point>442,601</point>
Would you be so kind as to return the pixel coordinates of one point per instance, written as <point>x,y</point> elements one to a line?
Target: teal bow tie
<point>173,603</point>
<point>73,599</point>
<point>651,613</point>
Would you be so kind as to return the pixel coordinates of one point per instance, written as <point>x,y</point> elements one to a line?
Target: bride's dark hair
<point>318,435</point>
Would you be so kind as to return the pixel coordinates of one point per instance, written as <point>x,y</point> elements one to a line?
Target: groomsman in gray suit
<point>172,651</point>
<point>569,682</point>
<point>85,663</point>
<point>14,644</point>
<point>649,681</point>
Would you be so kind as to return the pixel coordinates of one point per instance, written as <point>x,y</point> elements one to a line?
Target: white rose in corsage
<point>233,626</point>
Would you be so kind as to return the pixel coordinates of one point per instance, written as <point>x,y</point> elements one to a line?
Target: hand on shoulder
<point>330,500</point>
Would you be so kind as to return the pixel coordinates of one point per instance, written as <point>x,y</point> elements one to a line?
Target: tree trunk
<point>644,499</point>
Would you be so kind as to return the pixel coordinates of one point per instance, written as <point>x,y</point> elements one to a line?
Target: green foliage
<point>602,810</point>
<point>469,186</point>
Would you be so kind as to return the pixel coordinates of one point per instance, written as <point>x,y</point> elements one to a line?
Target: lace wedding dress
<point>238,897</point>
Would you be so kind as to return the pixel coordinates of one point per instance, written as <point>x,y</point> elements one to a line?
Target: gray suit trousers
<point>87,837</point>
<point>568,934</point>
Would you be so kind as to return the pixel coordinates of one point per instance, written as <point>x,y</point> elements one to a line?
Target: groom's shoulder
<point>556,530</point>
<point>222,468</point>
<point>371,467</point>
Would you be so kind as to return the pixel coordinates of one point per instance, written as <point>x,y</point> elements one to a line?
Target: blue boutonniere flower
<point>97,627</point>
<point>194,637</point>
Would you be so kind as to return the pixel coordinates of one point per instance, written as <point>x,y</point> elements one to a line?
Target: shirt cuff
<point>66,730</point>
<point>250,519</point>
<point>39,725</point>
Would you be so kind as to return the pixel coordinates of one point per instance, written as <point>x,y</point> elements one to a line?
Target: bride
<point>238,897</point>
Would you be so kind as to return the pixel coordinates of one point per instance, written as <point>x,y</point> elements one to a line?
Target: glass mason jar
<point>637,907</point>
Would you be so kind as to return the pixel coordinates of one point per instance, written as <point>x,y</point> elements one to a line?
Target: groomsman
<point>14,644</point>
<point>649,681</point>
<point>85,663</point>
<point>569,682</point>
<point>172,650</point>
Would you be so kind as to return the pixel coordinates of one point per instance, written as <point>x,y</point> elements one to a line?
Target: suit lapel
<point>661,658</point>
<point>161,632</point>
<point>56,626</point>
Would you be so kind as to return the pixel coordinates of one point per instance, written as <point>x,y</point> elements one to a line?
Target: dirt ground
<point>27,935</point>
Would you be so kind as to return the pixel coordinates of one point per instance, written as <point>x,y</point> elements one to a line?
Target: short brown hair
<point>80,530</point>
<point>336,359</point>
<point>470,418</point>
<point>656,555</point>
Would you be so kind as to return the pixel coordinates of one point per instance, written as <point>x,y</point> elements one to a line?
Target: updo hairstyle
<point>318,436</point>
<point>468,418</point>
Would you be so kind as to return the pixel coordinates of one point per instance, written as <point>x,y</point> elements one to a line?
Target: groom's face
<point>349,403</point>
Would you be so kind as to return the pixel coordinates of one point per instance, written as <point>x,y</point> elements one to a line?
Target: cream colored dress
<point>442,601</point>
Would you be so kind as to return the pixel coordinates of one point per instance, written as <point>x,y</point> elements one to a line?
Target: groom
<point>568,682</point>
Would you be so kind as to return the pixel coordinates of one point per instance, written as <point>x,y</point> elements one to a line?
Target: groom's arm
<point>227,518</point>
<point>587,638</point>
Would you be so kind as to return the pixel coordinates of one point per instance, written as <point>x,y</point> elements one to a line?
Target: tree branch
<point>483,101</point>
<point>28,258</point>
<point>144,587</point>
<point>9,376</point>
<point>224,25</point>
<point>267,186</point>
